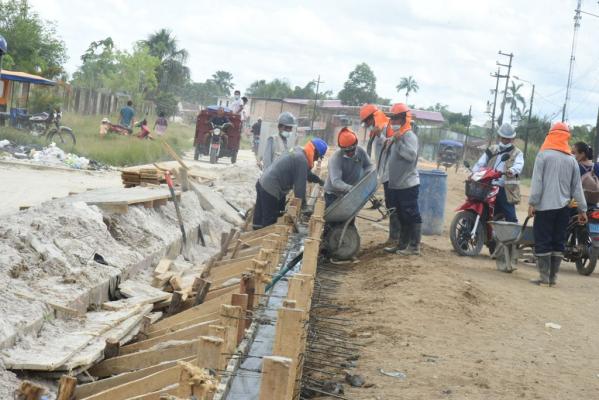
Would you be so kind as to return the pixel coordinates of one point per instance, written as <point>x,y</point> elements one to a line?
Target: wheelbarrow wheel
<point>342,249</point>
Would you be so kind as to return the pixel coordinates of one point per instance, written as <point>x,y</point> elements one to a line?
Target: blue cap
<point>321,146</point>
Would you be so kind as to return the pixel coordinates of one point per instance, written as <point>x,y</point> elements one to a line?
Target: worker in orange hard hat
<point>398,163</point>
<point>346,166</point>
<point>377,124</point>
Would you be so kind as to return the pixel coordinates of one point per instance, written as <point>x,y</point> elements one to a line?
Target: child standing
<point>161,124</point>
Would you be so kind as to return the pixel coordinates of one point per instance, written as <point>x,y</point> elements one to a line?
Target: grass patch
<point>113,149</point>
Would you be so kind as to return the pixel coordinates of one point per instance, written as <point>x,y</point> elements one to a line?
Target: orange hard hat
<point>399,108</point>
<point>560,126</point>
<point>347,138</point>
<point>367,110</point>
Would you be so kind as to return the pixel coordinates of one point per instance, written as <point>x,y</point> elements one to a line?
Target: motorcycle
<point>469,230</point>
<point>48,124</point>
<point>107,127</point>
<point>450,151</point>
<point>217,138</point>
<point>582,243</point>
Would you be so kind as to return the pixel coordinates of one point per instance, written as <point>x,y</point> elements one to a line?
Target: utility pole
<point>467,133</point>
<point>318,82</point>
<point>496,75</point>
<point>507,81</point>
<point>577,18</point>
<point>532,97</point>
<point>596,135</point>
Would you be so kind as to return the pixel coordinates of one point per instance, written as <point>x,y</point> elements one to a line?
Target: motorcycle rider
<point>509,185</point>
<point>292,170</point>
<point>555,181</point>
<point>220,118</point>
<point>346,166</point>
<point>403,184</point>
<point>277,144</point>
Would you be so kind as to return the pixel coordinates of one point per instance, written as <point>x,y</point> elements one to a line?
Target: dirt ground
<point>459,329</point>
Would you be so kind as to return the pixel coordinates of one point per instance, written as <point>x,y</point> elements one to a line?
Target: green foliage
<point>171,73</point>
<point>166,103</point>
<point>515,102</point>
<point>537,129</point>
<point>99,63</point>
<point>42,98</point>
<point>204,93</point>
<point>33,44</point>
<point>275,89</point>
<point>360,88</point>
<point>224,80</point>
<point>408,84</point>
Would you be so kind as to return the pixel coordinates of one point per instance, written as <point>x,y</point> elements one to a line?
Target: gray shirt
<point>403,157</point>
<point>287,172</point>
<point>275,147</point>
<point>555,181</point>
<point>344,172</point>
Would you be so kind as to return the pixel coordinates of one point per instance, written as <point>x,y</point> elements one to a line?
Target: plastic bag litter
<point>50,155</point>
<point>75,161</point>
<point>4,143</point>
<point>393,374</point>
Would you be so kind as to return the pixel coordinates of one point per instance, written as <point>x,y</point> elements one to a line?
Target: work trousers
<point>405,202</point>
<point>268,208</point>
<point>550,230</point>
<point>502,206</point>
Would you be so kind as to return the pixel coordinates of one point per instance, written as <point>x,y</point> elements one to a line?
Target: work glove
<point>307,210</point>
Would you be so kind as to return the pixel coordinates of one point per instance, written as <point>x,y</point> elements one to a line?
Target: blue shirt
<point>127,114</point>
<point>584,169</point>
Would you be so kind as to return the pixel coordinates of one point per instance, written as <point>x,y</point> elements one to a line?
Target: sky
<point>449,46</point>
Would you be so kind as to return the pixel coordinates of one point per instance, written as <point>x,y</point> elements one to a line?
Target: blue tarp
<point>452,143</point>
<point>215,108</point>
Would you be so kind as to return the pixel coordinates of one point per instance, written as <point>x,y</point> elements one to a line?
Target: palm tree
<point>408,84</point>
<point>172,71</point>
<point>224,80</point>
<point>515,101</point>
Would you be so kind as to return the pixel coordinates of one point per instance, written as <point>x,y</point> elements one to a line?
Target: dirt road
<point>459,329</point>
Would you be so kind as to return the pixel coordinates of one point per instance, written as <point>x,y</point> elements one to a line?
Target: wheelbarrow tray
<point>346,207</point>
<point>510,232</point>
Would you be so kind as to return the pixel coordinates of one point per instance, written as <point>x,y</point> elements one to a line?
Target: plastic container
<point>431,201</point>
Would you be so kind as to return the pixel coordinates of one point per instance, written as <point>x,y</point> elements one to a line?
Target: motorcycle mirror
<point>466,164</point>
<point>505,157</point>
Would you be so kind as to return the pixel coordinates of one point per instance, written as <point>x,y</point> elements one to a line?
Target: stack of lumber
<point>205,322</point>
<point>142,176</point>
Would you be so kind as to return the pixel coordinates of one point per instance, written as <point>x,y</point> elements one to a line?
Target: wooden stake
<point>201,287</point>
<point>289,336</point>
<point>177,300</point>
<point>240,300</point>
<point>112,348</point>
<point>183,179</point>
<point>276,373</point>
<point>195,382</point>
<point>310,259</point>
<point>30,391</point>
<point>66,388</point>
<point>247,287</point>
<point>231,318</point>
<point>210,353</point>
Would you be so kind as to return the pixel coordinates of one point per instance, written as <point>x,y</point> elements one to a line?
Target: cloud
<point>449,47</point>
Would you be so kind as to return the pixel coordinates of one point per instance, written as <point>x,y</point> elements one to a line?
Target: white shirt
<point>237,105</point>
<point>500,166</point>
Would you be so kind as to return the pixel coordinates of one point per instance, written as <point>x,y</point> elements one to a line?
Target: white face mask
<point>504,146</point>
<point>237,97</point>
<point>284,134</point>
<point>396,127</point>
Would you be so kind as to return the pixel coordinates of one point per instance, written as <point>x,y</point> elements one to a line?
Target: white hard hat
<point>506,131</point>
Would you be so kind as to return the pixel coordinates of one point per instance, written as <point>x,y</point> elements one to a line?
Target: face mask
<point>396,127</point>
<point>284,134</point>
<point>504,146</point>
<point>236,97</point>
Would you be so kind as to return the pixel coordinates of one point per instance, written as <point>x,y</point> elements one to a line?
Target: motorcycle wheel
<point>62,137</point>
<point>587,260</point>
<point>459,234</point>
<point>213,155</point>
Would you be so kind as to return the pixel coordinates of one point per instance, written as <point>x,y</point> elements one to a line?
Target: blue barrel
<point>431,200</point>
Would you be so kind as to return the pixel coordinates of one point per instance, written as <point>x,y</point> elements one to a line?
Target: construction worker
<point>403,185</point>
<point>555,182</point>
<point>277,144</point>
<point>509,185</point>
<point>377,124</point>
<point>292,170</point>
<point>346,166</point>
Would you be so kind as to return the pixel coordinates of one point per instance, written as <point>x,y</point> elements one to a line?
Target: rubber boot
<point>413,249</point>
<point>544,265</point>
<point>403,239</point>
<point>556,260</point>
<point>394,228</point>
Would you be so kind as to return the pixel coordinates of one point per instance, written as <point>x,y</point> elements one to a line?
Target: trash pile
<point>50,155</point>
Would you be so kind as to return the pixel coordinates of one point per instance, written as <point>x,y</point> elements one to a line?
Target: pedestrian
<point>278,143</point>
<point>509,184</point>
<point>379,130</point>
<point>346,166</point>
<point>256,128</point>
<point>237,104</point>
<point>589,172</point>
<point>555,182</point>
<point>161,124</point>
<point>127,116</point>
<point>404,183</point>
<point>291,171</point>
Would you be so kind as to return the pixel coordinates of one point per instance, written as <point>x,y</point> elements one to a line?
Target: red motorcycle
<point>469,229</point>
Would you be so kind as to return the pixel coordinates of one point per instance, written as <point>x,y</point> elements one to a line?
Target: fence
<point>97,102</point>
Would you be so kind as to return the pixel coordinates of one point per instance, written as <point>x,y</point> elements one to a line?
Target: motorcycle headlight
<point>216,132</point>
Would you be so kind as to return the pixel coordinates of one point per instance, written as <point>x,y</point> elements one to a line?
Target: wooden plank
<point>187,333</point>
<point>143,359</point>
<point>163,266</point>
<point>195,382</point>
<point>138,289</point>
<point>232,269</point>
<point>66,387</point>
<point>150,383</point>
<point>240,300</point>
<point>133,301</point>
<point>88,389</point>
<point>276,373</point>
<point>222,291</point>
<point>174,154</point>
<point>159,394</point>
<point>184,324</point>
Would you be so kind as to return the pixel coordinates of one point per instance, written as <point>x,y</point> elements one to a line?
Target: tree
<point>275,89</point>
<point>172,74</point>
<point>514,100</point>
<point>166,103</point>
<point>408,84</point>
<point>204,93</point>
<point>360,88</point>
<point>99,62</point>
<point>33,44</point>
<point>224,80</point>
<point>538,128</point>
<point>135,73</point>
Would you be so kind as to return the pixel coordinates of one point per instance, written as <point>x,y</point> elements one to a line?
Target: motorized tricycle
<point>449,154</point>
<point>217,141</point>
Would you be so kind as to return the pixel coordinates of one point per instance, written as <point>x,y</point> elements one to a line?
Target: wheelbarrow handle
<point>522,229</point>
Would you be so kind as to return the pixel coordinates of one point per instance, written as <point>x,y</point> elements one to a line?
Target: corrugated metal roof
<point>25,77</point>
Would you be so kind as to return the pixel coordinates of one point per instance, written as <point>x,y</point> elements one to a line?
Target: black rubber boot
<point>544,265</point>
<point>394,228</point>
<point>556,260</point>
<point>403,240</point>
<point>413,249</point>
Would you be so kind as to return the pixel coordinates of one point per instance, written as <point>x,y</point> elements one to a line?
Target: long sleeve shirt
<point>516,169</point>
<point>287,172</point>
<point>275,147</point>
<point>403,157</point>
<point>555,181</point>
<point>344,171</point>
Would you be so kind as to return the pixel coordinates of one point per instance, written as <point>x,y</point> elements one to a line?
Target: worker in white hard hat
<point>509,184</point>
<point>277,144</point>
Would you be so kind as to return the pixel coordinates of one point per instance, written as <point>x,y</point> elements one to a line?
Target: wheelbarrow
<point>511,239</point>
<point>342,240</point>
